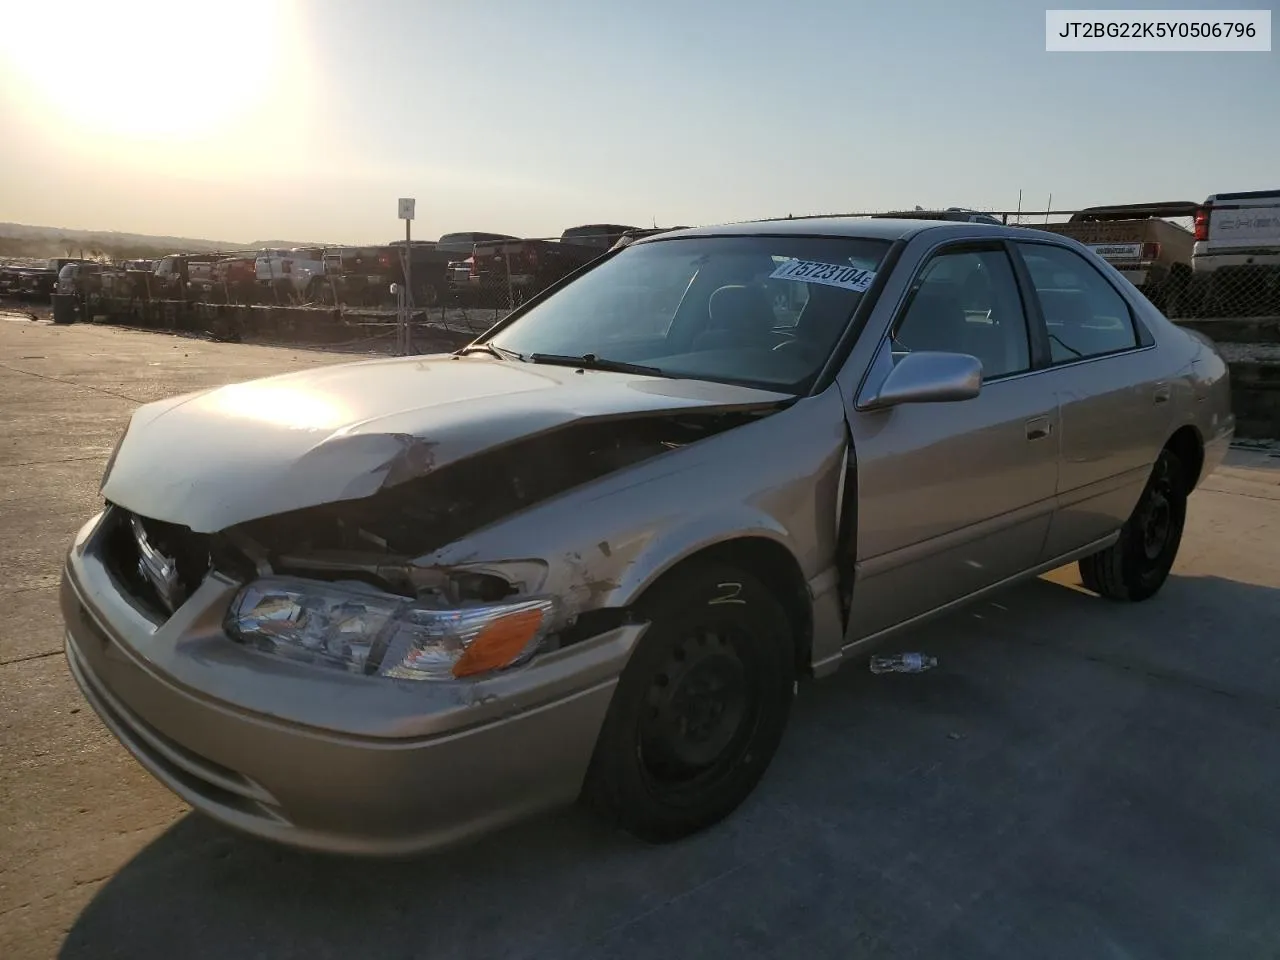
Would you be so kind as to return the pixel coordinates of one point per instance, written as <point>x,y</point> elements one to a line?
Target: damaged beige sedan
<point>382,606</point>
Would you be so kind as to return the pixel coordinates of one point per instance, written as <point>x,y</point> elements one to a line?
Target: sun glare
<point>145,70</point>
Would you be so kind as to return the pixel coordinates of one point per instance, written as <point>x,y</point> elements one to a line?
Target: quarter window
<point>1085,315</point>
<point>968,302</point>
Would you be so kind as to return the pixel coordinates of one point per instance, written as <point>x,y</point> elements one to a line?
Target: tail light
<point>1151,251</point>
<point>472,266</point>
<point>1202,223</point>
<point>384,259</point>
<point>531,256</point>
<point>287,266</point>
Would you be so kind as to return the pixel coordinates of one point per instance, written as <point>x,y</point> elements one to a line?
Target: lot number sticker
<point>832,274</point>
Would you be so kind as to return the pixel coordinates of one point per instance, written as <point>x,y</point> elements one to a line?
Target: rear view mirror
<point>928,377</point>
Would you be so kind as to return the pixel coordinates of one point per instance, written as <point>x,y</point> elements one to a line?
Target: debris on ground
<point>912,662</point>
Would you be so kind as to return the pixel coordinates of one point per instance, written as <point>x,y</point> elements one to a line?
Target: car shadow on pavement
<point>1070,781</point>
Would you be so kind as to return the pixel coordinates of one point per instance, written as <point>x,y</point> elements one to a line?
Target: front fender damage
<point>403,509</point>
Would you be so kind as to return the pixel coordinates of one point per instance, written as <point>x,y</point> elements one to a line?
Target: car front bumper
<point>321,759</point>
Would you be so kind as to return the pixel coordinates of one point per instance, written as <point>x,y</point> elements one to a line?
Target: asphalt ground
<point>1076,779</point>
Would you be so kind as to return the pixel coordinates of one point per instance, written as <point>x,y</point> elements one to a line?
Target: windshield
<point>759,310</point>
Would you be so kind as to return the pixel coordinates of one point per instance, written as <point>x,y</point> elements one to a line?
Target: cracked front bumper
<point>321,759</point>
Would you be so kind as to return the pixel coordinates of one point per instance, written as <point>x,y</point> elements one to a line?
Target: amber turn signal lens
<point>498,644</point>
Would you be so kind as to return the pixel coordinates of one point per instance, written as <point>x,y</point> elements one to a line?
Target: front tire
<point>1136,566</point>
<point>700,708</point>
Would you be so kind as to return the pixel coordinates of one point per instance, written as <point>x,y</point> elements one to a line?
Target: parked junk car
<point>39,282</point>
<point>175,272</point>
<point>382,606</point>
<point>80,278</point>
<point>459,247</point>
<point>429,269</point>
<point>9,274</point>
<point>235,279</point>
<point>23,281</point>
<point>1236,256</point>
<point>79,284</point>
<point>523,267</point>
<point>1150,251</point>
<point>631,236</point>
<point>462,245</point>
<point>36,285</point>
<point>296,274</point>
<point>954,214</point>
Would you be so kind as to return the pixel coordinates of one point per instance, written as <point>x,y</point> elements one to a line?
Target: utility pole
<point>406,300</point>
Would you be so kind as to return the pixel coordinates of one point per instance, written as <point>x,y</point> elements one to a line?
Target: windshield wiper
<point>589,361</point>
<point>500,352</point>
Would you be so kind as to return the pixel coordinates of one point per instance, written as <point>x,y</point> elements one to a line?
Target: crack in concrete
<point>31,656</point>
<point>71,383</point>
<point>40,463</point>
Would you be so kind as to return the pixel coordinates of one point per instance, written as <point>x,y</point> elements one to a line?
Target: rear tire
<point>1136,566</point>
<point>700,709</point>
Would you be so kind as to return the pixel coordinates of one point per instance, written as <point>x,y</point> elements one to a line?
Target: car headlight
<point>360,629</point>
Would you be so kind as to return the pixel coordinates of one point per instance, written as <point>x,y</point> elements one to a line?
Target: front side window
<point>761,310</point>
<point>1085,315</point>
<point>967,301</point>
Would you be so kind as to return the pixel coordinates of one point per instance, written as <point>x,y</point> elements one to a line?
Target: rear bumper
<point>324,760</point>
<point>1135,275</point>
<point>1216,447</point>
<point>1206,261</point>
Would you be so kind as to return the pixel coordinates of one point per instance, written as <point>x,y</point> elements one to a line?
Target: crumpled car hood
<point>216,458</point>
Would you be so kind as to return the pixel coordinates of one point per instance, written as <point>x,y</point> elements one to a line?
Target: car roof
<point>854,227</point>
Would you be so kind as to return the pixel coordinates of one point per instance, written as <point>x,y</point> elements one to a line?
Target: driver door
<point>953,497</point>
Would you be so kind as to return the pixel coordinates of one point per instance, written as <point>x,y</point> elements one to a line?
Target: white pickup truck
<point>1236,258</point>
<point>296,274</point>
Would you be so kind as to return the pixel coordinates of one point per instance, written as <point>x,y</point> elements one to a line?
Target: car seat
<point>737,316</point>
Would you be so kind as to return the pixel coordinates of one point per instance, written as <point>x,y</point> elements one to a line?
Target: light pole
<point>406,214</point>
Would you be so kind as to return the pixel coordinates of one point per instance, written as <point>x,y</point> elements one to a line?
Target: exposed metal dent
<point>609,541</point>
<point>376,537</point>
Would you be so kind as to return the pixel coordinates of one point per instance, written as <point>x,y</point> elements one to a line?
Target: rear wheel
<point>1136,566</point>
<point>700,708</point>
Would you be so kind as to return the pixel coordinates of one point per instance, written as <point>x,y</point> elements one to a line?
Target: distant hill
<point>25,240</point>
<point>286,244</point>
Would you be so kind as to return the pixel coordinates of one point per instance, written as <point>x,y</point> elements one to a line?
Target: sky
<point>307,119</point>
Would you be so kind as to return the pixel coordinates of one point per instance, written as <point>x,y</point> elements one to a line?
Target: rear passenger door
<point>1115,408</point>
<point>953,497</point>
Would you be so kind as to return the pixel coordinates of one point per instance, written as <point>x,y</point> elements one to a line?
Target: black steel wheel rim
<point>1155,518</point>
<point>699,711</point>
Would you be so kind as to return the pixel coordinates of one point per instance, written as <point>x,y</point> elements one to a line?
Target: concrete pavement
<point>1076,779</point>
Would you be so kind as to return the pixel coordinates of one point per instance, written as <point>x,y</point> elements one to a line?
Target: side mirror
<point>928,377</point>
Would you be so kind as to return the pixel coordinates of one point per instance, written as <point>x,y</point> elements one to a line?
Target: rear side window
<point>1086,316</point>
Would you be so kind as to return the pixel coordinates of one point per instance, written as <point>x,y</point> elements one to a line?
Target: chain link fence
<point>460,289</point>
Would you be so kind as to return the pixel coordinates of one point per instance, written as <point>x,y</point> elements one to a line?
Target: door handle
<point>1162,393</point>
<point>1039,428</point>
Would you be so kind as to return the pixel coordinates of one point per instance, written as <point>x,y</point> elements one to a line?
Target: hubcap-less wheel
<point>1155,527</point>
<point>700,707</point>
<point>1155,513</point>
<point>1137,564</point>
<point>696,706</point>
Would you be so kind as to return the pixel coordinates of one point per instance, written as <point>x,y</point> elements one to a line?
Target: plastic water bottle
<point>903,663</point>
